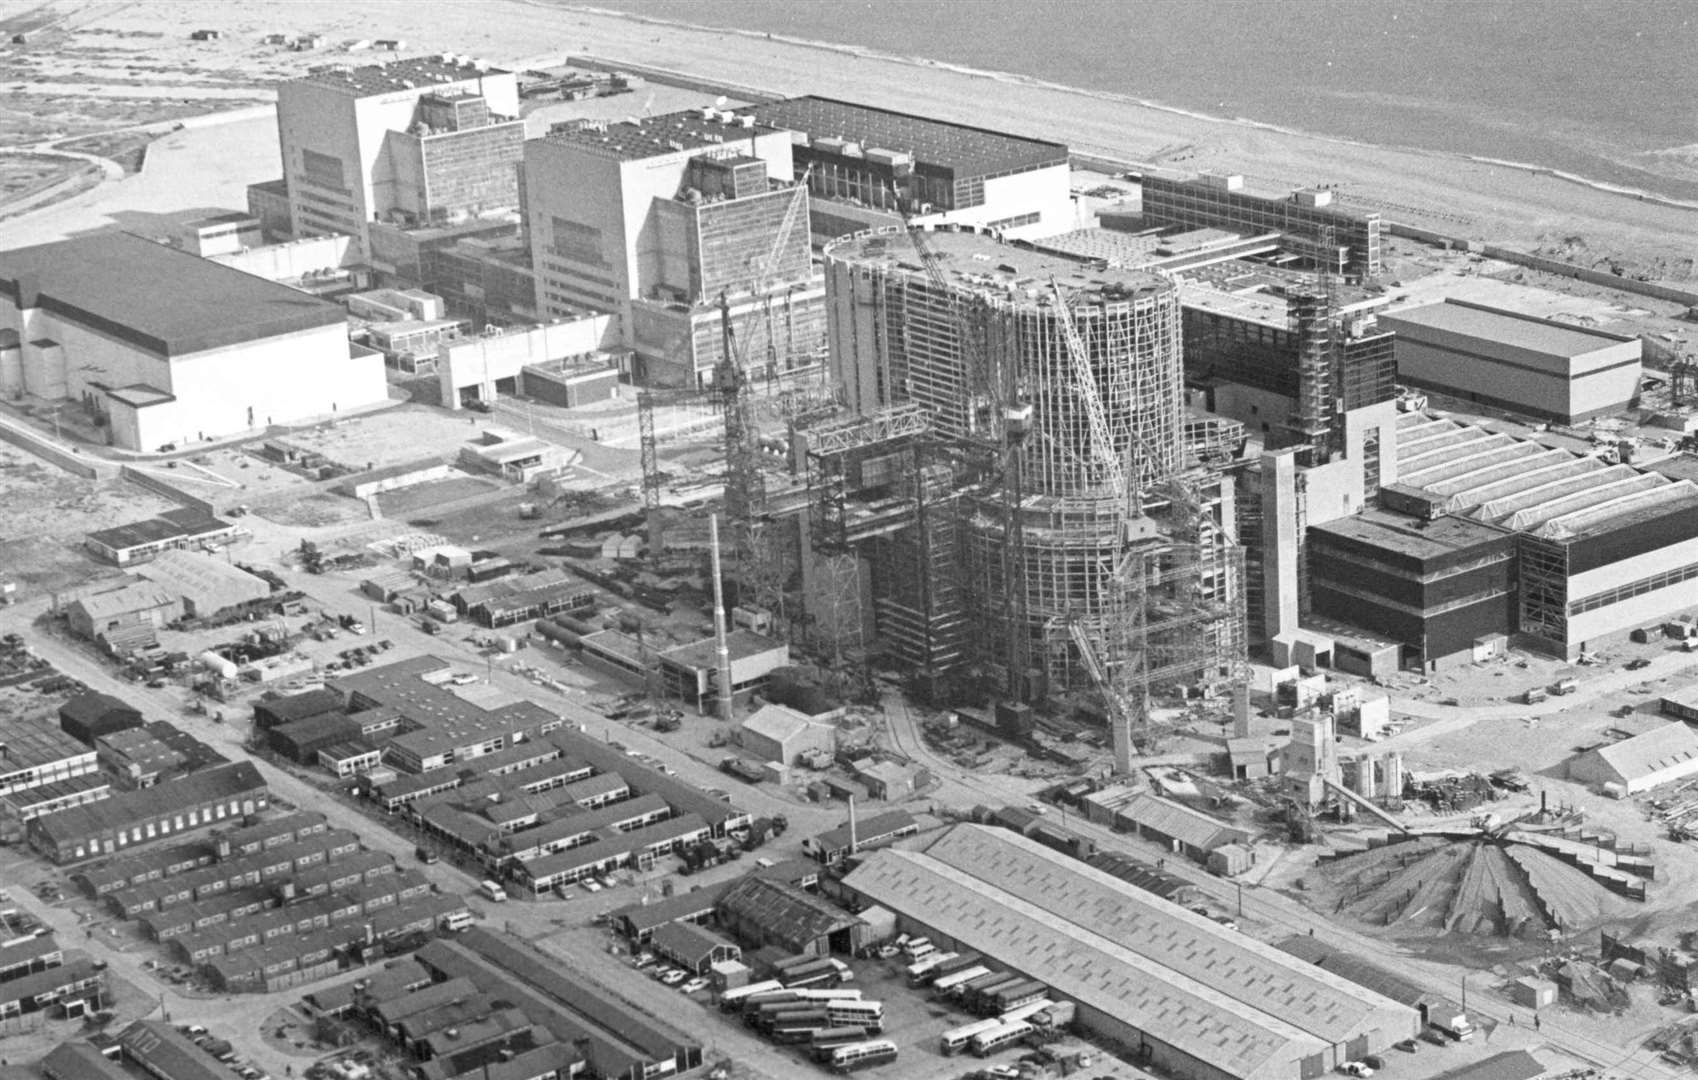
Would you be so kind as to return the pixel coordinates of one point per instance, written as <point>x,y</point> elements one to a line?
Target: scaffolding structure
<point>1023,519</point>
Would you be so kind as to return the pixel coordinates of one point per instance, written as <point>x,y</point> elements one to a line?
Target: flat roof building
<point>425,141</point>
<point>181,527</point>
<point>1537,367</point>
<point>1601,549</point>
<point>218,353</point>
<point>939,172</point>
<point>1312,223</point>
<point>1200,1000</point>
<point>1433,586</point>
<point>652,220</point>
<point>36,752</point>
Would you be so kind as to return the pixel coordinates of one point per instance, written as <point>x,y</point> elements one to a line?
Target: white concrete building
<point>651,220</point>
<point>1656,757</point>
<point>1538,367</point>
<point>169,347</point>
<point>429,140</point>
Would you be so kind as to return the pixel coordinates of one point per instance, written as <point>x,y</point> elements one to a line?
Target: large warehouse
<point>1538,367</point>
<point>169,347</point>
<point>1178,989</point>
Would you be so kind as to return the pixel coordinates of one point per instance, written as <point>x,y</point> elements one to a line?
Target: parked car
<point>1434,1036</point>
<point>1356,1069</point>
<point>672,977</point>
<point>1638,663</point>
<point>1373,1061</point>
<point>694,985</point>
<point>1408,1046</point>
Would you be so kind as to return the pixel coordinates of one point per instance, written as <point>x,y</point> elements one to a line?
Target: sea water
<point>1605,90</point>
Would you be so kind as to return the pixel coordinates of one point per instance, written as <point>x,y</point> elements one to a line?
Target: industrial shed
<point>692,947</point>
<point>780,733</point>
<point>275,711</point>
<point>86,717</point>
<point>1199,1000</point>
<point>208,586</point>
<point>763,912</point>
<point>1659,756</point>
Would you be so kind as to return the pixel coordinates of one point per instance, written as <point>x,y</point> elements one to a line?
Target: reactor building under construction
<point>1019,475</point>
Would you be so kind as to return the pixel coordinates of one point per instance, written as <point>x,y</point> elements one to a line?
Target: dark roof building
<point>164,1052</point>
<point>621,1043</point>
<point>109,282</point>
<point>198,801</point>
<point>896,161</point>
<point>832,845</point>
<point>87,716</point>
<point>194,360</point>
<point>273,711</point>
<point>174,529</point>
<point>73,987</point>
<point>763,912</point>
<point>80,1061</point>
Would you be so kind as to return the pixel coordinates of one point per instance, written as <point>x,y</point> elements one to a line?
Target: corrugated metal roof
<point>1085,965</point>
<point>791,913</point>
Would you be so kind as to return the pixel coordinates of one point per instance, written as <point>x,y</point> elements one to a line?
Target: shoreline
<point>1013,78</point>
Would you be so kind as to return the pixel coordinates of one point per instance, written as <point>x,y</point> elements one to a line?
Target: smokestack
<point>854,827</point>
<point>722,649</point>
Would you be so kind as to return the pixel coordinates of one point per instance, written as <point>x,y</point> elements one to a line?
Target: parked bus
<point>1012,997</point>
<point>812,1019</point>
<point>919,969</point>
<point>835,993</point>
<point>986,1043</point>
<point>958,1039</point>
<point>945,984</point>
<point>862,1055</point>
<point>867,1014</point>
<point>964,990</point>
<point>824,1042</point>
<point>979,993</point>
<point>733,999</point>
<point>789,1033</point>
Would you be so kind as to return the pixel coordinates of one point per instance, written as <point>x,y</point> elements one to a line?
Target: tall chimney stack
<point>722,648</point>
<point>854,828</point>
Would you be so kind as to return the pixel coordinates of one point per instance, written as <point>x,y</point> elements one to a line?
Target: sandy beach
<point>1517,206</point>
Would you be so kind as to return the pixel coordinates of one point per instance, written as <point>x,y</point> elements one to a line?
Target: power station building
<point>654,220</point>
<point>419,142</point>
<point>170,348</point>
<point>1537,367</point>
<point>1176,989</point>
<point>934,172</point>
<point>1600,549</point>
<point>992,352</point>
<point>1310,222</point>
